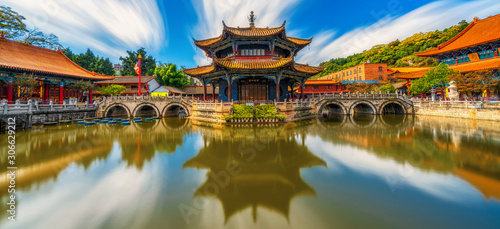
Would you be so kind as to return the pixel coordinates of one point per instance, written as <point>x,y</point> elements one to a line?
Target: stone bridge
<point>171,106</point>
<point>350,104</point>
<point>145,106</point>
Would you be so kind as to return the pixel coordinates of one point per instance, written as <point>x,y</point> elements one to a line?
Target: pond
<point>341,172</point>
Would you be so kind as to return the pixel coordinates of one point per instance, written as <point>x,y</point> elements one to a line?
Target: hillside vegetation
<point>397,53</point>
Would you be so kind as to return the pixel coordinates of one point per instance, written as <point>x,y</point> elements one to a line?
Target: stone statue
<point>453,94</point>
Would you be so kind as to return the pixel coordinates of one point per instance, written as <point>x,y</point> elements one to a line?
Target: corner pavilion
<point>253,64</point>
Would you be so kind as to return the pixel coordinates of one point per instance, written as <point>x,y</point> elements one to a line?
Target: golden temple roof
<point>199,70</point>
<point>478,32</point>
<point>307,69</point>
<point>249,64</point>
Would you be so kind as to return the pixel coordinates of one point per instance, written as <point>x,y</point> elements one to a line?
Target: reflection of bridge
<point>347,104</point>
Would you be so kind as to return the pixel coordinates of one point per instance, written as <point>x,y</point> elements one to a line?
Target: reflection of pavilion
<point>267,173</point>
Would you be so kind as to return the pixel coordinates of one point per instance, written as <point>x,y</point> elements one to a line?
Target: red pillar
<point>46,93</point>
<point>229,91</point>
<point>213,93</point>
<point>408,86</point>
<point>204,90</point>
<point>61,93</point>
<point>90,96</point>
<point>9,93</point>
<point>140,66</point>
<point>277,90</point>
<point>302,89</point>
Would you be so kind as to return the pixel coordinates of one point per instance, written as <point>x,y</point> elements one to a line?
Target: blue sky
<point>165,28</point>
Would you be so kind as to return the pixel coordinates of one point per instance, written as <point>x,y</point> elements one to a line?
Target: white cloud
<point>108,27</point>
<point>211,13</point>
<point>436,15</point>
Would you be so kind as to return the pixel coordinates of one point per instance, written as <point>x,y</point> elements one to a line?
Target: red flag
<point>137,67</point>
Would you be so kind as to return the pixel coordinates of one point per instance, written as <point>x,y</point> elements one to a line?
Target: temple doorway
<point>253,89</point>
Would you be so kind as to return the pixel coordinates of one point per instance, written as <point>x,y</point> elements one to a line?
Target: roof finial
<point>251,19</point>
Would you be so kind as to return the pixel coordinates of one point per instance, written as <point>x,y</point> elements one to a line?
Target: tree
<point>148,63</point>
<point>387,88</point>
<point>91,62</point>
<point>362,87</point>
<point>27,84</point>
<point>11,23</point>
<point>113,89</point>
<point>81,85</point>
<point>169,75</point>
<point>436,77</point>
<point>474,82</point>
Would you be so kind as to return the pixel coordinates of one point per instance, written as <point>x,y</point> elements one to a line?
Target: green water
<point>344,172</point>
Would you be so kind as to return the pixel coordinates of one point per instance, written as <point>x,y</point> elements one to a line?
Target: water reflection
<point>254,171</point>
<point>259,167</point>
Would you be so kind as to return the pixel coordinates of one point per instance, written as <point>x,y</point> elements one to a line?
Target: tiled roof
<point>487,64</point>
<point>477,33</point>
<point>199,70</point>
<point>252,63</point>
<point>321,82</point>
<point>254,31</point>
<point>307,69</point>
<point>392,70</point>
<point>127,79</point>
<point>362,81</point>
<point>299,41</point>
<point>399,85</point>
<point>199,90</point>
<point>174,90</point>
<point>29,58</point>
<point>207,42</point>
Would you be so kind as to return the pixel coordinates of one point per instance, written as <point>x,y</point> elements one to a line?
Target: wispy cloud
<point>211,13</point>
<point>436,15</point>
<point>108,27</point>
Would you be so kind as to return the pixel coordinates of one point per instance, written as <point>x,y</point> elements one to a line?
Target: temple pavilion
<point>476,48</point>
<point>52,69</point>
<point>253,64</point>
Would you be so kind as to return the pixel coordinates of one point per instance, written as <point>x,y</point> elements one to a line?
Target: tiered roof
<point>250,64</point>
<point>251,32</point>
<point>28,58</point>
<point>477,33</point>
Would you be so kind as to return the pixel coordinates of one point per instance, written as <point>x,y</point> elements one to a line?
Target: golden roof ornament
<point>251,19</point>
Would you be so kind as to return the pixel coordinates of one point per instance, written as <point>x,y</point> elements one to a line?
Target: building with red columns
<point>51,68</point>
<point>252,64</point>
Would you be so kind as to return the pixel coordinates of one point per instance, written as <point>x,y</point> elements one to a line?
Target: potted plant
<point>281,117</point>
<point>228,118</point>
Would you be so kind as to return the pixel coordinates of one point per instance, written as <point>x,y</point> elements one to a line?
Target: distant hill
<point>397,53</point>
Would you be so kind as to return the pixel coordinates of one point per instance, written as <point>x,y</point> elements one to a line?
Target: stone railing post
<point>51,105</point>
<point>29,106</point>
<point>5,107</point>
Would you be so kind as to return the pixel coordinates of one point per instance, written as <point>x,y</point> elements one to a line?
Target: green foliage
<point>397,53</point>
<point>435,77</point>
<point>387,88</point>
<point>242,111</point>
<point>113,89</point>
<point>148,63</point>
<point>475,82</point>
<point>27,84</point>
<point>265,111</point>
<point>11,23</point>
<point>91,62</point>
<point>280,117</point>
<point>169,75</point>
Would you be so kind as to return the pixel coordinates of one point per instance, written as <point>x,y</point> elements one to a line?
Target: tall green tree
<point>436,77</point>
<point>387,88</point>
<point>11,23</point>
<point>148,63</point>
<point>113,89</point>
<point>169,75</point>
<point>91,62</point>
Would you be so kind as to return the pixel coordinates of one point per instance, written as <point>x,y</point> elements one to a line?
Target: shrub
<point>228,117</point>
<point>265,111</point>
<point>281,117</point>
<point>243,111</point>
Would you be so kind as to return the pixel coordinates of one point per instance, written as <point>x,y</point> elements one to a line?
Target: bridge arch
<point>146,110</point>
<point>392,107</point>
<point>117,110</point>
<point>333,106</point>
<point>362,107</point>
<point>172,109</point>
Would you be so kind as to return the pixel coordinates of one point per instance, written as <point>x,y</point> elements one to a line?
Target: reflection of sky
<point>399,192</point>
<point>356,190</point>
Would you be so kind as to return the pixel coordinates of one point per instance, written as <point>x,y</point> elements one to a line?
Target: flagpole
<point>140,64</point>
